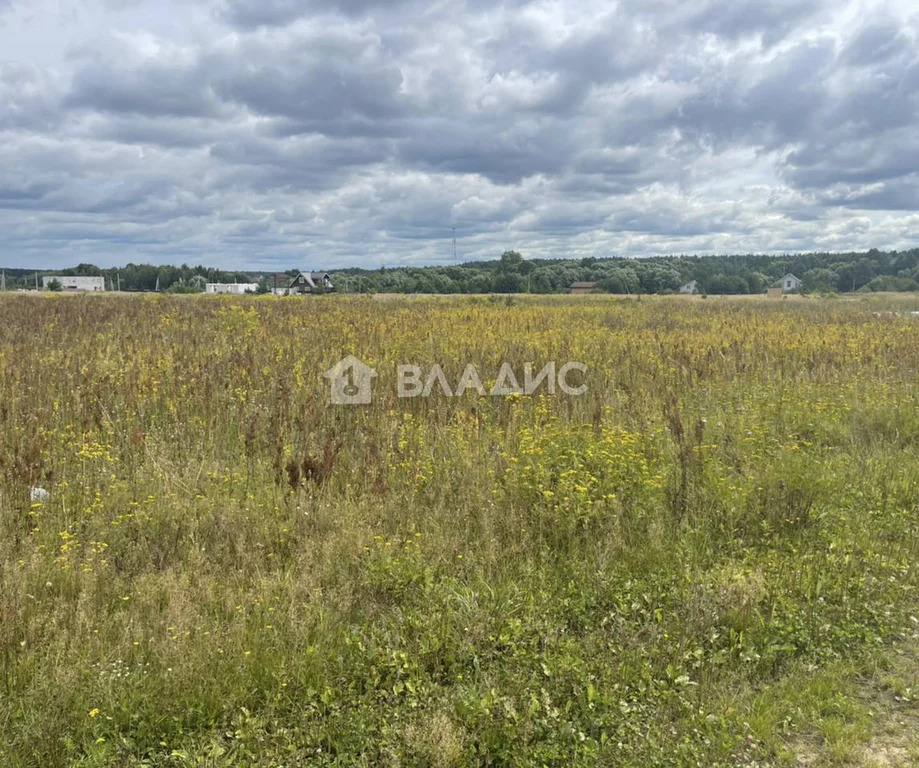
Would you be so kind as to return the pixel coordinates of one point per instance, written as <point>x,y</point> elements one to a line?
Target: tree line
<point>741,274</point>
<point>134,277</point>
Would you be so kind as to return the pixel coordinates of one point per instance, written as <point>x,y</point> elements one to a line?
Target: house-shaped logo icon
<point>352,382</point>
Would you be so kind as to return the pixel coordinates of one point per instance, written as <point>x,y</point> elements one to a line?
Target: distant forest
<point>821,272</point>
<point>512,273</point>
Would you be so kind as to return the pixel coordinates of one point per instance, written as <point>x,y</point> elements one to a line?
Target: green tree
<point>726,285</point>
<point>758,282</point>
<point>509,283</point>
<point>510,261</point>
<point>823,280</point>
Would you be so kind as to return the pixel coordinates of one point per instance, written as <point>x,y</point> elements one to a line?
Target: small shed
<point>789,283</point>
<point>690,287</point>
<point>582,288</point>
<point>234,288</point>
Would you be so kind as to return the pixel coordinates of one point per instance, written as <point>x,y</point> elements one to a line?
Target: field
<point>703,560</point>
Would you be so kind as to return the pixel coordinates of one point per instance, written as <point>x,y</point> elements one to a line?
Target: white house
<point>235,288</point>
<point>789,283</point>
<point>69,283</point>
<point>690,287</point>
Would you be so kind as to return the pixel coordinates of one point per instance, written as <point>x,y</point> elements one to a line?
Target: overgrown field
<point>229,570</point>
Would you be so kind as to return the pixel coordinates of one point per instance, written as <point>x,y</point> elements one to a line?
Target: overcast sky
<point>301,133</point>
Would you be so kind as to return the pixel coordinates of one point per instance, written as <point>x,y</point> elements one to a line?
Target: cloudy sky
<point>321,134</point>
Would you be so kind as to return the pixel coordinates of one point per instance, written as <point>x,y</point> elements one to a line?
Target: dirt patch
<point>888,693</point>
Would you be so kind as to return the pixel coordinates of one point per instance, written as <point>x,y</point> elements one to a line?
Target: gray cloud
<point>252,14</point>
<point>270,13</point>
<point>360,132</point>
<point>151,91</point>
<point>876,43</point>
<point>28,99</point>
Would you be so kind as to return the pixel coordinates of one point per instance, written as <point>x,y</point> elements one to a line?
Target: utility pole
<point>36,281</point>
<point>118,275</point>
<point>3,281</point>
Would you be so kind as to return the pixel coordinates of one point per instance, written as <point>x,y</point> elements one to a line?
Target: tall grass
<point>231,571</point>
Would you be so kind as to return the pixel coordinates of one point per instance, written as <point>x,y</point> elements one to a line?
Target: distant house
<point>304,283</point>
<point>234,288</point>
<point>690,287</point>
<point>582,288</point>
<point>69,283</point>
<point>789,283</point>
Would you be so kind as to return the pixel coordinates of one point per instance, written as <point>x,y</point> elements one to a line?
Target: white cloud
<point>258,133</point>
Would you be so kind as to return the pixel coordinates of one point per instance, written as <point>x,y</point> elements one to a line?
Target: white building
<point>68,283</point>
<point>789,283</point>
<point>235,288</point>
<point>689,288</point>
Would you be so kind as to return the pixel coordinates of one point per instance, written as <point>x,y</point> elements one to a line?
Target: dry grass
<point>231,571</point>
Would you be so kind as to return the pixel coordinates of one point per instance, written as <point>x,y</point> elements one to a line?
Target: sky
<point>257,134</point>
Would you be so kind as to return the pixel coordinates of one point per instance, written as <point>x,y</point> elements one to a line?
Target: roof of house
<point>785,277</point>
<point>583,285</point>
<point>286,281</point>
